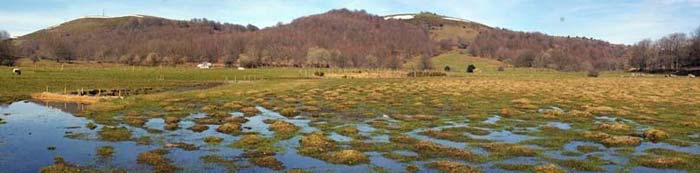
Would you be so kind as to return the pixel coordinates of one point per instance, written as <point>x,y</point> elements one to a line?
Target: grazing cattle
<point>471,68</point>
<point>17,71</point>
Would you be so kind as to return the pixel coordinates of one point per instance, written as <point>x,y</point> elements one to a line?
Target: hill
<point>522,49</point>
<point>337,38</point>
<point>130,39</point>
<point>340,38</point>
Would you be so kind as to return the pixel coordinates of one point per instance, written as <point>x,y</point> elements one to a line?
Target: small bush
<point>319,73</point>
<point>501,68</point>
<point>592,73</point>
<point>447,68</point>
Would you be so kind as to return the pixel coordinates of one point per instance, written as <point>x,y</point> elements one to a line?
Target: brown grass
<point>53,97</point>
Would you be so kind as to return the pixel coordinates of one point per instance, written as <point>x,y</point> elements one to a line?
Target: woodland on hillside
<point>338,38</point>
<point>7,49</point>
<point>523,49</point>
<point>676,52</point>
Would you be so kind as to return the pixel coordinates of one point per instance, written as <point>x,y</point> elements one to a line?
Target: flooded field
<point>51,136</point>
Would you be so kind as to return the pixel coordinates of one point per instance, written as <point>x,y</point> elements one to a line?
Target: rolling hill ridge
<point>337,38</point>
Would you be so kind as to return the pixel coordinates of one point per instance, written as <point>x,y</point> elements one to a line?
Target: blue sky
<point>617,21</point>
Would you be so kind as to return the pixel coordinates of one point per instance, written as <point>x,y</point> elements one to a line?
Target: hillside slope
<point>522,49</point>
<point>337,38</point>
<point>341,38</point>
<point>130,39</point>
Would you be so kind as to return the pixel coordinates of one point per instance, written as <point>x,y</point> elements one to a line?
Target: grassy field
<point>649,109</point>
<point>54,77</point>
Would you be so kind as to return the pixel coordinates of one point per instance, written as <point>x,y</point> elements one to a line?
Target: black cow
<point>17,71</point>
<point>471,68</point>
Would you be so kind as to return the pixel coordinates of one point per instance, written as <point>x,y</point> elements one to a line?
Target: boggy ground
<point>519,120</point>
<point>477,123</point>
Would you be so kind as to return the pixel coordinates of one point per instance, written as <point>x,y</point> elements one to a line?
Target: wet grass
<point>268,162</point>
<point>253,142</point>
<point>60,165</point>
<point>156,159</point>
<point>283,129</point>
<point>499,151</point>
<point>591,163</point>
<point>548,168</point>
<point>114,133</point>
<point>654,109</point>
<point>668,159</point>
<point>433,150</point>
<point>515,167</point>
<point>229,128</point>
<point>315,144</point>
<point>449,166</point>
<point>230,165</point>
<point>213,139</point>
<point>105,151</point>
<point>73,76</point>
<point>348,157</point>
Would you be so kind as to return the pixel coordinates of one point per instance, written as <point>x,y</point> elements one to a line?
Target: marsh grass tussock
<point>60,165</point>
<point>655,135</point>
<point>156,158</point>
<point>348,157</point>
<point>283,129</point>
<point>450,166</point>
<point>105,151</point>
<point>316,143</point>
<point>213,139</point>
<point>614,126</point>
<point>268,162</point>
<point>503,150</point>
<point>249,111</point>
<point>668,159</point>
<point>229,128</point>
<point>115,134</point>
<point>548,168</point>
<point>171,126</point>
<point>433,150</point>
<point>198,128</point>
<point>251,142</point>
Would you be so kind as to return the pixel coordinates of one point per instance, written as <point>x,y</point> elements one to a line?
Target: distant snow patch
<point>456,19</point>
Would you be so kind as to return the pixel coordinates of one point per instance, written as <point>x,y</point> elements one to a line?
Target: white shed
<point>204,65</point>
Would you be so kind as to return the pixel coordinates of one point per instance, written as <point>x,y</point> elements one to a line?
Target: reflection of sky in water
<point>492,119</point>
<point>502,136</point>
<point>560,125</point>
<point>32,127</point>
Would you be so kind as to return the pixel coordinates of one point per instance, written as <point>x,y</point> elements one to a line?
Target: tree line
<point>338,38</point>
<point>676,52</point>
<point>7,49</point>
<point>533,49</point>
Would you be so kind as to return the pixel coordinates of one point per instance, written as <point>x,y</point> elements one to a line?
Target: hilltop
<point>521,49</point>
